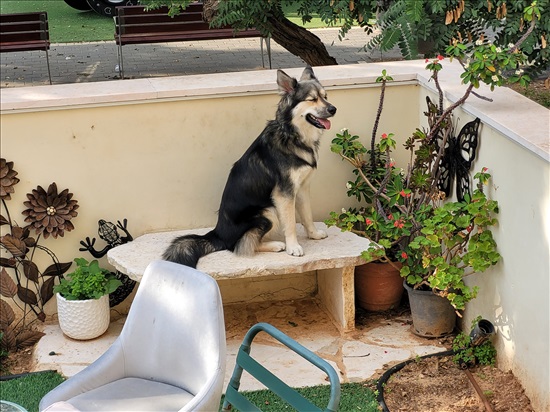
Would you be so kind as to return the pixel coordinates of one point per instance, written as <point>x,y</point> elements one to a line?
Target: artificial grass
<point>28,390</point>
<point>354,397</point>
<point>69,25</point>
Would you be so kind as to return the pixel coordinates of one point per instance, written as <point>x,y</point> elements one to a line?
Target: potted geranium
<point>408,213</point>
<point>83,300</point>
<point>378,284</point>
<point>455,241</point>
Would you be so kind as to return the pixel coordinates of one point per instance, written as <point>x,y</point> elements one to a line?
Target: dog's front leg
<point>286,211</point>
<point>303,205</point>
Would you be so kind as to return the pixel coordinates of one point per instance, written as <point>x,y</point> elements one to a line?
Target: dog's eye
<point>312,99</point>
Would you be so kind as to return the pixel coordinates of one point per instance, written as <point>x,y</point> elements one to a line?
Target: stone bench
<point>332,261</point>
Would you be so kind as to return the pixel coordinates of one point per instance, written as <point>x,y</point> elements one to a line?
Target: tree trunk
<point>210,8</point>
<point>299,41</point>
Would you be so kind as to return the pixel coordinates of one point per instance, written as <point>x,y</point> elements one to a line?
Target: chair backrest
<point>175,332</point>
<point>246,362</point>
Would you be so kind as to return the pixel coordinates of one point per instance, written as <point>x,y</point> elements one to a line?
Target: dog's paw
<point>273,246</point>
<point>294,250</point>
<point>318,234</point>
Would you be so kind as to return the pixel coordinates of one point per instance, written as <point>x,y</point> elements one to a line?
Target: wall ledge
<point>523,121</point>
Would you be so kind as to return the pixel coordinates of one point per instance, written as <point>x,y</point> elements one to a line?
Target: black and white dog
<point>270,182</point>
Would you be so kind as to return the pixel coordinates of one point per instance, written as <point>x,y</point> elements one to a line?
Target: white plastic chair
<point>170,355</point>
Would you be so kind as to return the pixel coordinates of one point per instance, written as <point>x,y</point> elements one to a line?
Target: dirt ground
<point>438,385</point>
<point>18,362</point>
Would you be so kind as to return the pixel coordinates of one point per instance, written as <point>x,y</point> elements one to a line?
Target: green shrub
<point>88,281</point>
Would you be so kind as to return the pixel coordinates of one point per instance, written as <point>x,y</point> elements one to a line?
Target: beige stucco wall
<point>514,294</point>
<point>158,152</point>
<point>162,163</point>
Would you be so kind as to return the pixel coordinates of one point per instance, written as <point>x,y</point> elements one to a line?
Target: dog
<point>270,182</point>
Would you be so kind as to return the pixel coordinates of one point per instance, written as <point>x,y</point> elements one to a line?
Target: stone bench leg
<point>337,292</point>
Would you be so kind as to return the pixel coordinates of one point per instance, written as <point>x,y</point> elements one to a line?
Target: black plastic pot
<point>432,315</point>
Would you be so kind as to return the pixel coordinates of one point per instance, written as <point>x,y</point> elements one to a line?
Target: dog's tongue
<point>324,122</point>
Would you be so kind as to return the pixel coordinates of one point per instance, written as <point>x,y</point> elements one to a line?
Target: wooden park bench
<point>25,32</point>
<point>135,25</point>
<point>332,260</point>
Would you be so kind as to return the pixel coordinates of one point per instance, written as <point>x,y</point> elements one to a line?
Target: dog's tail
<point>188,249</point>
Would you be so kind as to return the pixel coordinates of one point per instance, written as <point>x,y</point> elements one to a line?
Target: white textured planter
<point>83,319</point>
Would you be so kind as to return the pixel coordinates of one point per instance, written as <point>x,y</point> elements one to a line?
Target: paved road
<point>92,62</point>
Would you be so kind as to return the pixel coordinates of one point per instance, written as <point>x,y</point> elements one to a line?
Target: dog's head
<point>304,102</point>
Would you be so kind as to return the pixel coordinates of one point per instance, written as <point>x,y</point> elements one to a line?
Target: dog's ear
<point>308,74</point>
<point>286,83</point>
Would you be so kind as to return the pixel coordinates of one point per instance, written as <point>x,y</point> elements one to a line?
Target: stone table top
<point>338,250</point>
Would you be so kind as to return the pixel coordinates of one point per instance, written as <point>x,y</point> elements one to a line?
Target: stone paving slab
<point>360,355</point>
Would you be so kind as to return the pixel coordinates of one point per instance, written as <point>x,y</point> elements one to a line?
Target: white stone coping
<point>520,119</point>
<point>338,250</point>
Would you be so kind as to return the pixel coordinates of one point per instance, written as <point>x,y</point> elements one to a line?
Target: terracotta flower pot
<point>378,286</point>
<point>83,319</point>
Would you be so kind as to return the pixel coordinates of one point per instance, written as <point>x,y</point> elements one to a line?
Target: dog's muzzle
<point>322,122</point>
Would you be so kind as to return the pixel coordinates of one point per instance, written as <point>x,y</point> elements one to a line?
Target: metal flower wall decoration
<point>48,213</point>
<point>7,179</point>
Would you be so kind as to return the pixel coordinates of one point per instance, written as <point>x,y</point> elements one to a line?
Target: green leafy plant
<point>88,281</point>
<point>433,25</point>
<point>454,242</point>
<point>381,219</point>
<point>468,355</point>
<point>406,215</point>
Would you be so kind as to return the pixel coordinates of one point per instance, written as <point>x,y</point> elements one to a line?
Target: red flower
<point>484,170</point>
<point>427,60</point>
<point>440,57</point>
<point>399,223</point>
<point>404,255</point>
<point>390,216</point>
<point>384,135</point>
<point>368,221</point>
<point>403,194</point>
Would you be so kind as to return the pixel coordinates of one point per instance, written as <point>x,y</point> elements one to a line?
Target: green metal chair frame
<point>246,362</point>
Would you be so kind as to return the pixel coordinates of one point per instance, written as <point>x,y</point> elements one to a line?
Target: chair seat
<point>132,394</point>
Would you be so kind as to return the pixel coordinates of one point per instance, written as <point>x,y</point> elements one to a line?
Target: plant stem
<point>524,37</point>
<point>375,125</point>
<point>447,111</point>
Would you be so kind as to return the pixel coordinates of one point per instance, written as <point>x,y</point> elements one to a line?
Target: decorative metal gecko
<point>108,232</point>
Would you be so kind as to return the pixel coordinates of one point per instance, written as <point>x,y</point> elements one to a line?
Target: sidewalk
<point>97,61</point>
